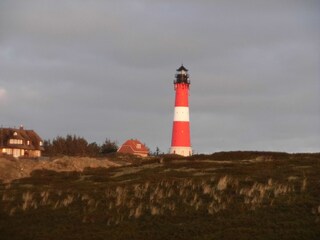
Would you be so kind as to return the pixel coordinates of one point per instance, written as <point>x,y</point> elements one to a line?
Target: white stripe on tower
<point>181,114</point>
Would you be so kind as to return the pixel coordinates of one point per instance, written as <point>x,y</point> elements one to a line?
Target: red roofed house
<point>135,147</point>
<point>20,142</point>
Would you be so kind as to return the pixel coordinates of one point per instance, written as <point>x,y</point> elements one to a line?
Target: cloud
<point>3,92</point>
<point>105,69</point>
<point>3,96</point>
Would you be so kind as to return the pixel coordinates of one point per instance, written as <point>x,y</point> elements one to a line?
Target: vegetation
<point>231,195</point>
<point>72,145</point>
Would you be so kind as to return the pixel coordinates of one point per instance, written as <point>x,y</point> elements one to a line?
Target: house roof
<point>133,146</point>
<point>20,134</point>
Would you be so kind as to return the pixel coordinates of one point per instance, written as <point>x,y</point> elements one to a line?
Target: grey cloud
<point>105,69</point>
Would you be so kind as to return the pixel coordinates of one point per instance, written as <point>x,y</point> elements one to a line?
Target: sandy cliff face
<point>11,169</point>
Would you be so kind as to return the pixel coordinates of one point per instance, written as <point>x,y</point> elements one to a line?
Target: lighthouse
<point>180,142</point>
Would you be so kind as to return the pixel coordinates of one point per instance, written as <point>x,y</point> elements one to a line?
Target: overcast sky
<point>105,69</point>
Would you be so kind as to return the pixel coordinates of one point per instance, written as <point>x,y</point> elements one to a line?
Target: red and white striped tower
<point>180,143</point>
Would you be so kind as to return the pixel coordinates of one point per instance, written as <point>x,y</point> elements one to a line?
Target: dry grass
<point>266,196</point>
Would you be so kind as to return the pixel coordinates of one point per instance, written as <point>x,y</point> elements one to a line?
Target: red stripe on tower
<point>180,143</point>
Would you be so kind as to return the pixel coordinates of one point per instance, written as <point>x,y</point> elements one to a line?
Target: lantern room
<point>182,76</point>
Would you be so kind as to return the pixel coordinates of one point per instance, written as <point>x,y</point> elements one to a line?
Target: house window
<point>138,146</point>
<point>28,142</point>
<point>15,141</point>
<point>16,153</point>
<point>41,143</point>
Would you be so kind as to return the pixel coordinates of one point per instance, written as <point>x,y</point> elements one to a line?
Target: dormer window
<point>138,146</point>
<point>15,134</point>
<point>28,142</point>
<point>41,143</point>
<point>15,141</point>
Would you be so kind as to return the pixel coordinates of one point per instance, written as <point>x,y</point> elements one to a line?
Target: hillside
<point>239,195</point>
<point>11,168</point>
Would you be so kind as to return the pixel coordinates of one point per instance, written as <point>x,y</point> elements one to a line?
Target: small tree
<point>93,149</point>
<point>157,151</point>
<point>48,149</point>
<point>109,147</point>
<point>72,145</point>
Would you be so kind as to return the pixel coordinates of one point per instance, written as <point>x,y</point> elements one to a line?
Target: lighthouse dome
<point>182,76</point>
<point>182,68</point>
